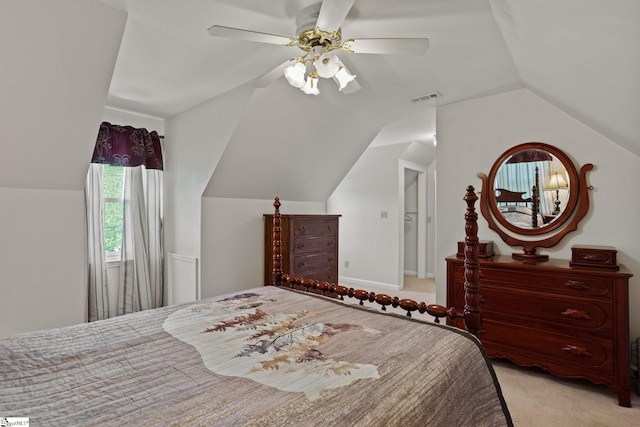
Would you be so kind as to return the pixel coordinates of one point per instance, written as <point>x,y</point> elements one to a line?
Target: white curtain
<point>98,299</point>
<point>140,286</point>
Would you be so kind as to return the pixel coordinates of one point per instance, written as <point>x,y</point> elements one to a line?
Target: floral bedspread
<point>238,338</point>
<point>262,357</point>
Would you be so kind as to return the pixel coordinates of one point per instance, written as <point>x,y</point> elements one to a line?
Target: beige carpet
<point>536,398</point>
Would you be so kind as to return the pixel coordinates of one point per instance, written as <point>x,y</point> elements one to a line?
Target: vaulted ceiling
<point>580,55</point>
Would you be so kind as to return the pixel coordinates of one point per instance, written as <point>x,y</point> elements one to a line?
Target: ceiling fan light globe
<point>311,86</point>
<point>343,77</point>
<point>327,65</point>
<point>295,74</point>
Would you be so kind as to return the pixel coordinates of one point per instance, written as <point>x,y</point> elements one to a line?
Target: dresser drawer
<point>313,262</point>
<point>304,245</point>
<point>325,275</point>
<point>556,282</point>
<point>569,351</point>
<point>556,310</point>
<point>314,227</point>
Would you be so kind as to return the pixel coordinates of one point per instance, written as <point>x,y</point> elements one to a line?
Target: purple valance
<point>127,146</point>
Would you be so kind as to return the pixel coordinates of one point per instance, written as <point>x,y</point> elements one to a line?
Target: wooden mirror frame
<point>549,235</point>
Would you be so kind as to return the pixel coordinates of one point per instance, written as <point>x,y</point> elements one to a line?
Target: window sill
<point>112,260</point>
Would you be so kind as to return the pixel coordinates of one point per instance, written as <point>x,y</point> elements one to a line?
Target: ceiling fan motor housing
<point>309,36</point>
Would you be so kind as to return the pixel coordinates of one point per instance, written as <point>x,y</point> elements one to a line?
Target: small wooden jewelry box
<point>594,257</point>
<point>485,249</point>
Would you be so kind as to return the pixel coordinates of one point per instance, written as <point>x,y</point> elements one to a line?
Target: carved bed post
<point>277,245</point>
<point>535,196</point>
<point>472,313</point>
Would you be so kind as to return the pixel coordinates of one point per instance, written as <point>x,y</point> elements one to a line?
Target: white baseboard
<point>349,281</point>
<point>413,273</point>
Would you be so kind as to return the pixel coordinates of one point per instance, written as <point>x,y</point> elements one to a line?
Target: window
<point>124,220</point>
<point>113,194</point>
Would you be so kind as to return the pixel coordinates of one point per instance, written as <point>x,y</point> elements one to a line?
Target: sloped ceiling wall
<point>57,62</point>
<point>582,56</point>
<point>283,135</point>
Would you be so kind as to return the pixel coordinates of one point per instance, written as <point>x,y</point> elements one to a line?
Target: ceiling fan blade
<point>388,46</point>
<point>254,36</point>
<point>333,13</point>
<point>271,76</point>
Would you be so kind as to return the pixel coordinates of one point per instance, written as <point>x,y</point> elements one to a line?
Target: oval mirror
<point>533,188</point>
<point>533,197</point>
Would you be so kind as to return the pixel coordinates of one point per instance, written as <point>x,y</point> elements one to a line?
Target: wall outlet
<point>383,214</point>
<point>346,264</point>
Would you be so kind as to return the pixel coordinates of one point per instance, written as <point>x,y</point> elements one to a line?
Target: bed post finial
<point>472,314</point>
<point>276,274</point>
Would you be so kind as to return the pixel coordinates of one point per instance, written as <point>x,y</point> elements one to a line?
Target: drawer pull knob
<point>330,226</point>
<point>576,314</point>
<point>301,264</point>
<point>301,228</point>
<point>579,286</point>
<point>300,245</point>
<point>577,351</point>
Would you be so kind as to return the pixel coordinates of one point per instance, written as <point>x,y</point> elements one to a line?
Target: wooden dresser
<point>309,246</point>
<point>572,322</point>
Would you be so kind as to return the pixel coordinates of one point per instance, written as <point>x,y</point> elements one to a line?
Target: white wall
<point>233,241</point>
<point>194,142</point>
<point>471,136</point>
<point>128,118</point>
<point>54,85</point>
<point>43,268</point>
<point>370,243</point>
<point>310,138</point>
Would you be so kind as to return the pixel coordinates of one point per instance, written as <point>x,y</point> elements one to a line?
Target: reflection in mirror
<point>531,189</point>
<point>534,190</point>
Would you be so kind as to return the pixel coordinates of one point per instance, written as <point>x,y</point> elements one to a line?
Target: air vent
<point>427,97</point>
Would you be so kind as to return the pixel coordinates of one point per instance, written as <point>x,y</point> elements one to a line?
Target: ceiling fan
<point>319,36</point>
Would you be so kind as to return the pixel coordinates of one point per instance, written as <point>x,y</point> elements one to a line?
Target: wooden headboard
<point>507,196</point>
<point>503,195</point>
<point>470,312</point>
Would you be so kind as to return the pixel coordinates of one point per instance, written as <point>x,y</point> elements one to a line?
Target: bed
<point>518,210</point>
<point>266,356</point>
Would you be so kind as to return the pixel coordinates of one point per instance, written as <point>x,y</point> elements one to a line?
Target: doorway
<point>413,220</point>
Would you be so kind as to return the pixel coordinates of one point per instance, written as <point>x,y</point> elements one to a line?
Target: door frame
<point>421,219</point>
